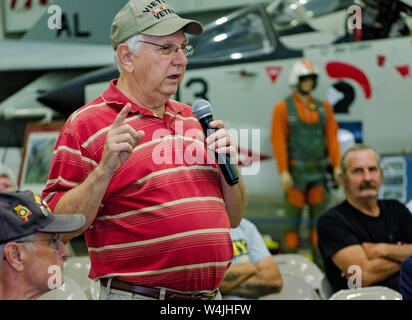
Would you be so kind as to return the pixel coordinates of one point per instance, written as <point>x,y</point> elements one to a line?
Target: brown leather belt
<point>152,292</point>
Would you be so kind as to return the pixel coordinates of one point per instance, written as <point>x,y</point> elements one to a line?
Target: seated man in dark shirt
<point>363,241</point>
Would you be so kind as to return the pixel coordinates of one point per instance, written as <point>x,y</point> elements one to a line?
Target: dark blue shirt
<point>405,282</point>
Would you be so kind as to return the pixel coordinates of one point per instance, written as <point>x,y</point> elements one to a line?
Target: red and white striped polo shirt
<point>162,221</point>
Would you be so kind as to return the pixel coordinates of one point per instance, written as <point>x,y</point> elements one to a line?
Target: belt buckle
<point>208,295</point>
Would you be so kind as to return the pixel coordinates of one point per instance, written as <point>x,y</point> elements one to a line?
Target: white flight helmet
<point>302,68</point>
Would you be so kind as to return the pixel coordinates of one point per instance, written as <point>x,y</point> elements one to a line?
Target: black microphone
<point>203,112</point>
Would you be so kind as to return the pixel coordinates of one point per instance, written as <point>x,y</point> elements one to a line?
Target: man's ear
<point>342,180</point>
<point>13,255</point>
<point>124,57</point>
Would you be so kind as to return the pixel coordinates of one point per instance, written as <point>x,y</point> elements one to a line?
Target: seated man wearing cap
<point>30,245</point>
<point>158,211</point>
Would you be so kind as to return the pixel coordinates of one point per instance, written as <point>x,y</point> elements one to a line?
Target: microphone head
<point>201,108</point>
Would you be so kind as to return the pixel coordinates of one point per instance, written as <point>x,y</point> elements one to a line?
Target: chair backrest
<point>70,290</point>
<point>294,288</point>
<point>77,268</point>
<point>325,290</point>
<point>301,267</point>
<point>367,293</point>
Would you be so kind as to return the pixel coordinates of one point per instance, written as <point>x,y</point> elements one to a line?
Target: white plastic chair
<point>325,291</point>
<point>294,288</point>
<point>301,267</point>
<point>70,290</point>
<point>367,293</point>
<point>77,268</point>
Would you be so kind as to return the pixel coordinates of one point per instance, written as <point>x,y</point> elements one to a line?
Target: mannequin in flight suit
<point>304,137</point>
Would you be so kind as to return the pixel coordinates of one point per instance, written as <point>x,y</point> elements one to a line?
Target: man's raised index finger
<point>121,116</point>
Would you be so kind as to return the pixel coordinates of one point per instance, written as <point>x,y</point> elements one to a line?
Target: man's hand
<point>286,180</point>
<point>221,141</point>
<point>87,197</point>
<point>120,142</point>
<point>235,196</point>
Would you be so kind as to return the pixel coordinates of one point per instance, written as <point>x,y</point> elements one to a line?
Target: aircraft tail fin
<point>81,21</point>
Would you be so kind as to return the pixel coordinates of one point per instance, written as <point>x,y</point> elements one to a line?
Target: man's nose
<point>64,252</point>
<point>180,57</point>
<point>367,175</point>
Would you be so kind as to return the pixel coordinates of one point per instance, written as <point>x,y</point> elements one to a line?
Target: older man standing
<point>364,240</point>
<point>158,211</point>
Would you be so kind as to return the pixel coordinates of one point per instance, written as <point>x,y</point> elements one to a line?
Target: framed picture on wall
<point>39,143</point>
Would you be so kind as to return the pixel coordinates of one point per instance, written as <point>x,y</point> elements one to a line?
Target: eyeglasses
<point>55,240</point>
<point>170,49</point>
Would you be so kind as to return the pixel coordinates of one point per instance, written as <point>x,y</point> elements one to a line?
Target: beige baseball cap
<point>150,17</point>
